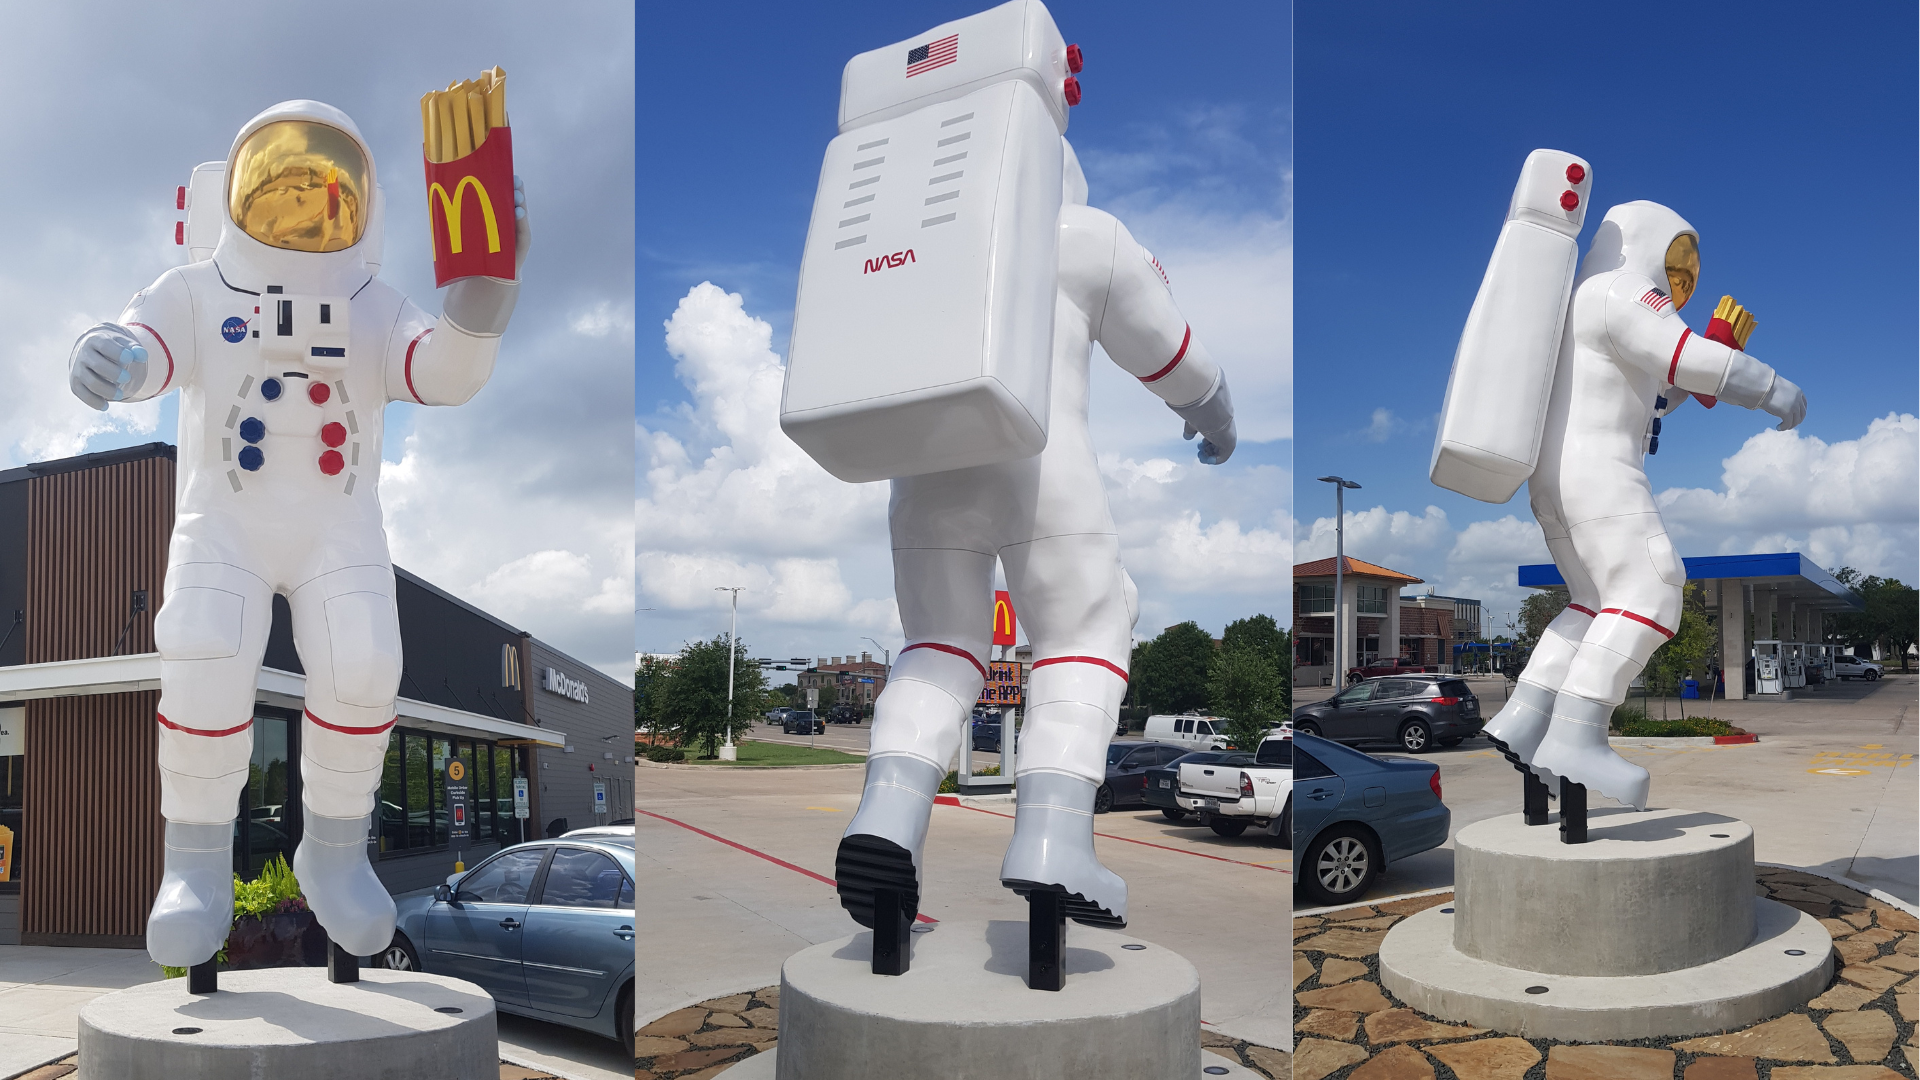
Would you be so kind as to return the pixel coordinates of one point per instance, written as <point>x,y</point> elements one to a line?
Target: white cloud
<point>1383,426</point>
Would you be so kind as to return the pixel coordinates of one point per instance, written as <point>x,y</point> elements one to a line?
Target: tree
<point>1539,609</point>
<point>646,688</point>
<point>1248,688</point>
<point>690,701</point>
<point>1685,653</point>
<point>1262,634</point>
<point>1172,675</point>
<point>1891,617</point>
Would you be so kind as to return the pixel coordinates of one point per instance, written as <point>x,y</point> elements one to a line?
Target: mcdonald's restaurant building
<point>83,546</point>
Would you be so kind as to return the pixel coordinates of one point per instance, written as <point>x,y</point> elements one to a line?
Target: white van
<point>1192,732</point>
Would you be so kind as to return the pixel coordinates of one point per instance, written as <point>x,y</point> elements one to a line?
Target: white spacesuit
<point>1046,519</point>
<point>286,349</point>
<point>1625,357</point>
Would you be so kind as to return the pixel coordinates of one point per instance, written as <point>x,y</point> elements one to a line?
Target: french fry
<point>497,98</point>
<point>476,107</point>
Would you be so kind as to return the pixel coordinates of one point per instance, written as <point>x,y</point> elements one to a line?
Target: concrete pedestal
<point>292,1024</point>
<point>964,1009</point>
<point>1650,929</point>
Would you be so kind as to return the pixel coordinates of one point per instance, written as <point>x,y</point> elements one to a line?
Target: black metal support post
<point>1573,812</point>
<point>342,966</point>
<point>1533,798</point>
<point>204,978</point>
<point>1046,940</point>
<point>892,933</point>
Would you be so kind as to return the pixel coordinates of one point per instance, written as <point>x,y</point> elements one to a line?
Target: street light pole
<point>732,630</point>
<point>1340,486</point>
<point>887,654</point>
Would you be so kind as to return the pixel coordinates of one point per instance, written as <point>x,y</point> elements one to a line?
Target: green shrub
<point>1624,715</point>
<point>666,754</point>
<point>1692,726</point>
<point>275,892</point>
<point>951,784</point>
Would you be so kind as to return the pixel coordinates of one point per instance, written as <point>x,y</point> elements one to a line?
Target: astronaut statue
<point>286,348</point>
<point>1561,381</point>
<point>961,374</point>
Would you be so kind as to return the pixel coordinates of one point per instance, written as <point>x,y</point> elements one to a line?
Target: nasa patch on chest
<point>1657,302</point>
<point>234,329</point>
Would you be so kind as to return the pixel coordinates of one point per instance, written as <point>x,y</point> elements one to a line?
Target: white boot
<point>346,896</point>
<point>1576,748</point>
<point>882,845</point>
<point>1053,848</point>
<point>193,911</point>
<point>1523,721</point>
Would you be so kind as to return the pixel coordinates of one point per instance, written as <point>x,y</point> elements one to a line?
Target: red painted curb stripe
<point>761,854</point>
<point>1081,660</point>
<point>164,722</point>
<point>1674,368</point>
<point>409,367</point>
<point>937,647</point>
<point>1142,843</point>
<point>349,730</point>
<point>1734,740</point>
<point>169,355</point>
<point>1173,363</point>
<point>1625,614</point>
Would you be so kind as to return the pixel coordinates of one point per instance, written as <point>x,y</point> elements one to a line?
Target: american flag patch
<point>1657,301</point>
<point>1155,263</point>
<point>933,54</point>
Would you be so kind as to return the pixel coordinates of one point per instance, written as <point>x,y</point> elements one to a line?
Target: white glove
<point>1212,417</point>
<point>107,364</point>
<point>1785,401</point>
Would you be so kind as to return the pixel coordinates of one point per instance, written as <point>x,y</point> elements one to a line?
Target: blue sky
<point>1184,132</point>
<point>1785,134</point>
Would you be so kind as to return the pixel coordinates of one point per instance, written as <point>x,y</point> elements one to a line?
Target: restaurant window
<point>1316,599</point>
<point>413,790</point>
<point>1370,599</point>
<point>481,793</point>
<point>442,753</point>
<point>1312,651</point>
<point>13,777</point>
<point>269,802</point>
<point>503,794</point>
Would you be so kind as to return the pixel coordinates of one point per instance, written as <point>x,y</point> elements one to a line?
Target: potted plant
<point>272,926</point>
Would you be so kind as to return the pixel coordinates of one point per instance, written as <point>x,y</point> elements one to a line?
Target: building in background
<point>1369,611</point>
<point>842,680</point>
<point>82,557</point>
<point>1431,625</point>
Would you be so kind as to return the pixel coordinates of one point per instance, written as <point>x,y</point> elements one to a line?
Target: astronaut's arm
<point>446,362</point>
<point>1650,335</point>
<point>147,352</point>
<point>1143,331</point>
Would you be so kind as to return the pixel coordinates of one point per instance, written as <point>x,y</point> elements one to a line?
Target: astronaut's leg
<point>1640,579</point>
<point>348,634</point>
<point>1522,723</point>
<point>1073,593</point>
<point>946,611</point>
<point>211,632</point>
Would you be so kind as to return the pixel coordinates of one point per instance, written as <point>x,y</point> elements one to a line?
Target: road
<point>735,868</point>
<point>1831,786</point>
<point>851,738</point>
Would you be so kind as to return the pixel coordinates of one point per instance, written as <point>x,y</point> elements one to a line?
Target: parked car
<point>1355,814</point>
<point>1230,798</point>
<point>545,927</point>
<point>1192,732</point>
<point>986,734</point>
<point>779,715</point>
<point>1411,711</point>
<point>843,713</point>
<point>1849,666</point>
<point>1161,788</point>
<point>803,722</point>
<point>1128,762</point>
<point>1391,666</point>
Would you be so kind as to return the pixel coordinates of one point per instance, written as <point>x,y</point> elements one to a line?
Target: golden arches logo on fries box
<point>468,148</point>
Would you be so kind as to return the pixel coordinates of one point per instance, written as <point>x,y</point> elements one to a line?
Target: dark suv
<point>1411,711</point>
<point>803,722</point>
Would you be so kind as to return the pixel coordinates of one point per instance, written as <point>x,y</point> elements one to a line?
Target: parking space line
<point>1145,843</point>
<point>761,854</point>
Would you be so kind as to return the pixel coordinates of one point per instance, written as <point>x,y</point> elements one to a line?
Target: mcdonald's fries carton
<point>468,151</point>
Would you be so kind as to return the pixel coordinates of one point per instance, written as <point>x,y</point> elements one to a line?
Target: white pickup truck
<point>1229,798</point>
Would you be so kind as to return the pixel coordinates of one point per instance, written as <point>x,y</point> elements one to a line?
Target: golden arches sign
<point>450,207</point>
<point>1003,618</point>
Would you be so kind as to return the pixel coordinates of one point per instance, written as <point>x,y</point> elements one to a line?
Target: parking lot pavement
<point>851,738</point>
<point>735,870</point>
<point>1830,786</point>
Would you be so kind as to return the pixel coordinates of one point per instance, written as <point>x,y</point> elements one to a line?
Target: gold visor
<point>300,185</point>
<point>1683,268</point>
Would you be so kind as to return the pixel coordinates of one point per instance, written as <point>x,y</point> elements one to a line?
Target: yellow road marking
<point>1873,746</point>
<point>1841,772</point>
<point>828,809</point>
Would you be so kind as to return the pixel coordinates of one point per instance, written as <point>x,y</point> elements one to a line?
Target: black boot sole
<point>865,863</point>
<point>1077,907</point>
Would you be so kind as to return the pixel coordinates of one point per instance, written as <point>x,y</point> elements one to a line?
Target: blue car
<point>546,927</point>
<point>1354,814</point>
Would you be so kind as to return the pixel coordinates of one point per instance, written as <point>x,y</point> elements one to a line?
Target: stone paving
<point>66,1067</point>
<point>707,1039</point>
<point>1861,1028</point>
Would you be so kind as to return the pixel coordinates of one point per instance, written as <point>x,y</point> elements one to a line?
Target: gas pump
<point>1794,665</point>
<point>1767,667</point>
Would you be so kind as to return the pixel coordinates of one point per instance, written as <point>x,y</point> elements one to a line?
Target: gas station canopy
<point>1791,576</point>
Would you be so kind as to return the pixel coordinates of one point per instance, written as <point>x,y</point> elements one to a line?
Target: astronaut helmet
<point>1072,180</point>
<point>301,190</point>
<point>1648,239</point>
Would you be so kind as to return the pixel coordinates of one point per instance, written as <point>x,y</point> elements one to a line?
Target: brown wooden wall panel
<point>93,808</point>
<point>95,535</point>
